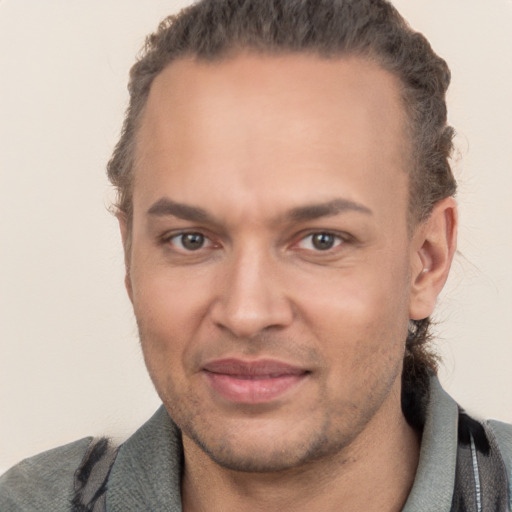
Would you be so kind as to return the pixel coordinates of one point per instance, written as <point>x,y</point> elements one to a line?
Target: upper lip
<point>260,368</point>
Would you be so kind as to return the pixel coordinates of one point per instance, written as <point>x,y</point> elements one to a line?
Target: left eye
<point>322,241</point>
<point>189,241</point>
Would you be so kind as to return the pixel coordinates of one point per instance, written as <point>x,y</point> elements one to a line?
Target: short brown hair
<point>373,29</point>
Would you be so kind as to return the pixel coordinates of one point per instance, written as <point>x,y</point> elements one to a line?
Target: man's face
<point>270,263</point>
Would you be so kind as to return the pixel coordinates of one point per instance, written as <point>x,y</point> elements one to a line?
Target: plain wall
<point>70,364</point>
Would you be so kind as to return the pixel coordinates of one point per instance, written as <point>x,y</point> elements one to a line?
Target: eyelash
<point>338,240</point>
<point>168,239</point>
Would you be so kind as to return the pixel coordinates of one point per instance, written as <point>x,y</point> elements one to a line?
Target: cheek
<point>169,312</point>
<point>167,297</point>
<point>359,296</point>
<point>363,313</point>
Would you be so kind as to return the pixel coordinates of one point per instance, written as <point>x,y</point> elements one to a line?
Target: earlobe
<point>125,237</point>
<point>128,285</point>
<point>434,245</point>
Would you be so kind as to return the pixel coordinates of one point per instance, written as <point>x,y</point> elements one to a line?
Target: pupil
<point>192,241</point>
<point>323,241</point>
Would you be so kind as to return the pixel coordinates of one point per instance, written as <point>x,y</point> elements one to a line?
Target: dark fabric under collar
<point>147,473</point>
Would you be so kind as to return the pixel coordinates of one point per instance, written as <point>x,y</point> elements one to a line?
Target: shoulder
<point>503,434</point>
<point>43,482</point>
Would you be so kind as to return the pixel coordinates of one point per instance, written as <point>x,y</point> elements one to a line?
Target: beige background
<point>70,365</point>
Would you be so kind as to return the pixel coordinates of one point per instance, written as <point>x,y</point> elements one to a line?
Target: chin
<point>263,448</point>
<point>258,459</point>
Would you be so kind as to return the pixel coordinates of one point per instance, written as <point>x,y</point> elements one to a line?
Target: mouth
<point>252,382</point>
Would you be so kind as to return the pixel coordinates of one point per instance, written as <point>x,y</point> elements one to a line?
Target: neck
<point>375,472</point>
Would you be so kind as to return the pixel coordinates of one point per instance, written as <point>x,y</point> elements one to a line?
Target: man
<point>287,214</point>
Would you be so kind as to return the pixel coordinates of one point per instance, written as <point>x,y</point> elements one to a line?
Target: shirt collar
<point>147,472</point>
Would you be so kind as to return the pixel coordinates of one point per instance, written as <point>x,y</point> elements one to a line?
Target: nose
<point>252,297</point>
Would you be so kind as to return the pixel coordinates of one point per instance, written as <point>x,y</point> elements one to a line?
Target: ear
<point>126,239</point>
<point>434,244</point>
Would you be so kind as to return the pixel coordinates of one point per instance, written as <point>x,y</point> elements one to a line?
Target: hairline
<point>236,50</point>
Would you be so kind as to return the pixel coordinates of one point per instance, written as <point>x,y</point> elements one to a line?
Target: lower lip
<point>254,390</point>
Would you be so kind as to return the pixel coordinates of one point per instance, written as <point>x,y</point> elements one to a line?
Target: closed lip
<point>258,369</point>
<point>252,383</point>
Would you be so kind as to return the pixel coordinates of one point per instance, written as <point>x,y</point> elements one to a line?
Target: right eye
<point>189,241</point>
<point>320,241</point>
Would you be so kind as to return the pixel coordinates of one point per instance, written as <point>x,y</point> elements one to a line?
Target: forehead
<point>258,122</point>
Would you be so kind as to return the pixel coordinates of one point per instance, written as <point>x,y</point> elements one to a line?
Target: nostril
<point>250,299</point>
<point>248,319</point>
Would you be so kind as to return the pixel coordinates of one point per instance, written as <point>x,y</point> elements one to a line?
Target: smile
<point>252,382</point>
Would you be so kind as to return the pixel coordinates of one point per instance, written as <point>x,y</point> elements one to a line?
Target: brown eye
<point>321,241</point>
<point>189,241</point>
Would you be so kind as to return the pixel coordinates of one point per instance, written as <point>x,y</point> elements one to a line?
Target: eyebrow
<point>167,207</point>
<point>328,209</point>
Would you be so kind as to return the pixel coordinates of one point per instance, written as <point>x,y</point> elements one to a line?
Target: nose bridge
<point>252,297</point>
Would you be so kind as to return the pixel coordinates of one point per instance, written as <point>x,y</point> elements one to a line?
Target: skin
<point>254,142</point>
